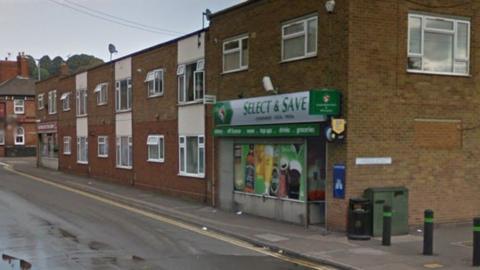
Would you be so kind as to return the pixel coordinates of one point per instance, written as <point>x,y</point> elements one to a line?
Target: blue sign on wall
<point>339,181</point>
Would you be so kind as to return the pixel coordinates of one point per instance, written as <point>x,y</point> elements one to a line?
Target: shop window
<point>156,146</point>
<point>2,137</point>
<point>81,102</point>
<point>154,81</point>
<point>235,54</point>
<point>439,45</point>
<point>191,82</point>
<point>123,95</point>
<point>102,146</point>
<point>19,136</point>
<point>124,152</point>
<point>192,155</point>
<point>40,102</point>
<point>101,90</point>
<point>19,106</point>
<point>299,39</point>
<point>82,150</point>
<point>52,102</point>
<point>65,98</point>
<point>67,145</point>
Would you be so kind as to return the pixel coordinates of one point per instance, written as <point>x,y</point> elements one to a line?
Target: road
<point>53,228</point>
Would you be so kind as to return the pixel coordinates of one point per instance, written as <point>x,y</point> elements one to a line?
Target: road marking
<point>179,224</point>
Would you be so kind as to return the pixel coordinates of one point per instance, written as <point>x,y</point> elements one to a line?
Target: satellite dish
<point>112,50</point>
<point>208,13</point>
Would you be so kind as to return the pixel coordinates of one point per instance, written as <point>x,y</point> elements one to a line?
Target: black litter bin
<point>359,219</point>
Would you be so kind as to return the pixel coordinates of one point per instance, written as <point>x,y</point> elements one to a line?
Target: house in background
<point>17,109</point>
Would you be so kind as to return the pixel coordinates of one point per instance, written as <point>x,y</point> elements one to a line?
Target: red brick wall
<point>8,70</point>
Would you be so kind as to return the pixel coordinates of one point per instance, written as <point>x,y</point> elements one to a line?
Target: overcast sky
<point>40,27</point>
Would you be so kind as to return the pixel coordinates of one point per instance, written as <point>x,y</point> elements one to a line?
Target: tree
<point>50,67</point>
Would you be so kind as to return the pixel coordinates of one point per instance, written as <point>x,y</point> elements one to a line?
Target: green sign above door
<point>325,102</point>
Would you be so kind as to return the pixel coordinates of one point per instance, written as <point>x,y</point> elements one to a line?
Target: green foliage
<point>49,67</point>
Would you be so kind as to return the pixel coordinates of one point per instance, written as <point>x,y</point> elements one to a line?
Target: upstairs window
<point>19,136</point>
<point>154,81</point>
<point>101,90</point>
<point>65,98</point>
<point>19,106</point>
<point>439,45</point>
<point>235,54</point>
<point>191,82</point>
<point>81,102</point>
<point>299,39</point>
<point>155,145</point>
<point>40,102</point>
<point>52,102</point>
<point>123,95</point>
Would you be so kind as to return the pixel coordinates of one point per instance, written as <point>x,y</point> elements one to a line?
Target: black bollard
<point>428,233</point>
<point>476,241</point>
<point>387,225</point>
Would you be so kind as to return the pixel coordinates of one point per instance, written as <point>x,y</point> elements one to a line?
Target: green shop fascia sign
<point>287,130</point>
<point>299,107</point>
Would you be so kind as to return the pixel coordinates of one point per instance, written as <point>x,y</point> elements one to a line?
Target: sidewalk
<point>452,243</point>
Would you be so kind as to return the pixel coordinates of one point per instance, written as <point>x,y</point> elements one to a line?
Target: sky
<point>47,27</point>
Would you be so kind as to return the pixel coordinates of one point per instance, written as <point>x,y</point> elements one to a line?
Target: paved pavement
<point>452,243</point>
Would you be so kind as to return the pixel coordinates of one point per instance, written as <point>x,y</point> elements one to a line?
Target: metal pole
<point>387,225</point>
<point>476,241</point>
<point>428,233</point>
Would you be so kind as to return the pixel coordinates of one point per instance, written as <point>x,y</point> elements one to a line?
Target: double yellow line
<point>178,224</point>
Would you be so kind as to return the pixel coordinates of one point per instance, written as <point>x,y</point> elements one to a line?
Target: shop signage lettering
<point>49,127</point>
<point>293,130</point>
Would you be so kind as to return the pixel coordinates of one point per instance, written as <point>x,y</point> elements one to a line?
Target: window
<point>438,45</point>
<point>123,95</point>
<point>124,152</point>
<point>81,102</point>
<point>65,98</point>
<point>2,137</point>
<point>82,150</point>
<point>155,145</point>
<point>192,155</point>
<point>19,136</point>
<point>102,93</point>
<point>40,102</point>
<point>19,106</point>
<point>299,39</point>
<point>52,102</point>
<point>67,145</point>
<point>103,146</point>
<point>191,82</point>
<point>235,54</point>
<point>154,82</point>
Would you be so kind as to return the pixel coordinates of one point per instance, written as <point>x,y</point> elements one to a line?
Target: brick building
<point>285,77</point>
<point>17,109</point>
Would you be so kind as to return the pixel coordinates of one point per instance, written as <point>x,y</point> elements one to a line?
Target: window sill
<point>156,160</point>
<point>50,113</point>
<point>298,58</point>
<point>23,113</point>
<point>192,175</point>
<point>124,167</point>
<point>155,96</point>
<point>123,111</point>
<point>102,156</point>
<point>67,154</point>
<point>82,162</point>
<point>234,71</point>
<point>421,72</point>
<point>102,104</point>
<point>82,116</point>
<point>19,144</point>
<point>67,110</point>
<point>198,101</point>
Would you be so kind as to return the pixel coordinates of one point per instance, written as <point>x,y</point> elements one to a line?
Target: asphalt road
<point>51,228</point>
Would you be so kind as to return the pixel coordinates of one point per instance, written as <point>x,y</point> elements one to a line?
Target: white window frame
<point>119,151</point>
<point>453,32</point>
<point>79,104</point>
<point>65,98</point>
<point>182,77</point>
<point>16,135</point>
<point>159,142</point>
<point>52,102</point>
<point>40,101</point>
<point>298,34</point>
<point>102,140</point>
<point>67,145</point>
<point>2,137</point>
<point>225,52</point>
<point>79,150</point>
<point>157,77</point>
<point>182,144</point>
<point>101,90</point>
<point>118,96</point>
<point>19,108</point>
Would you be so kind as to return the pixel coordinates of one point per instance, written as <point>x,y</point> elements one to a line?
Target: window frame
<point>15,106</point>
<point>52,102</point>
<point>118,89</point>
<point>65,98</point>
<point>2,137</point>
<point>240,40</point>
<point>105,144</point>
<point>454,33</point>
<point>67,140</point>
<point>154,79</point>
<point>305,21</point>
<point>183,145</point>
<point>161,148</point>
<point>118,152</point>
<point>16,135</point>
<point>101,90</point>
<point>79,140</point>
<point>182,76</point>
<point>40,101</point>
<point>77,99</point>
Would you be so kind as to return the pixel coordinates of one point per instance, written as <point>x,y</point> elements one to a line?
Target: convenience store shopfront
<point>271,154</point>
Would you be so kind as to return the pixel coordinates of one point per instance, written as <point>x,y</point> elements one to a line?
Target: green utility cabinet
<point>397,198</point>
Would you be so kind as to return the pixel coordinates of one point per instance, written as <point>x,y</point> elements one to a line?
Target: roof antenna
<point>112,50</point>
<point>206,14</point>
